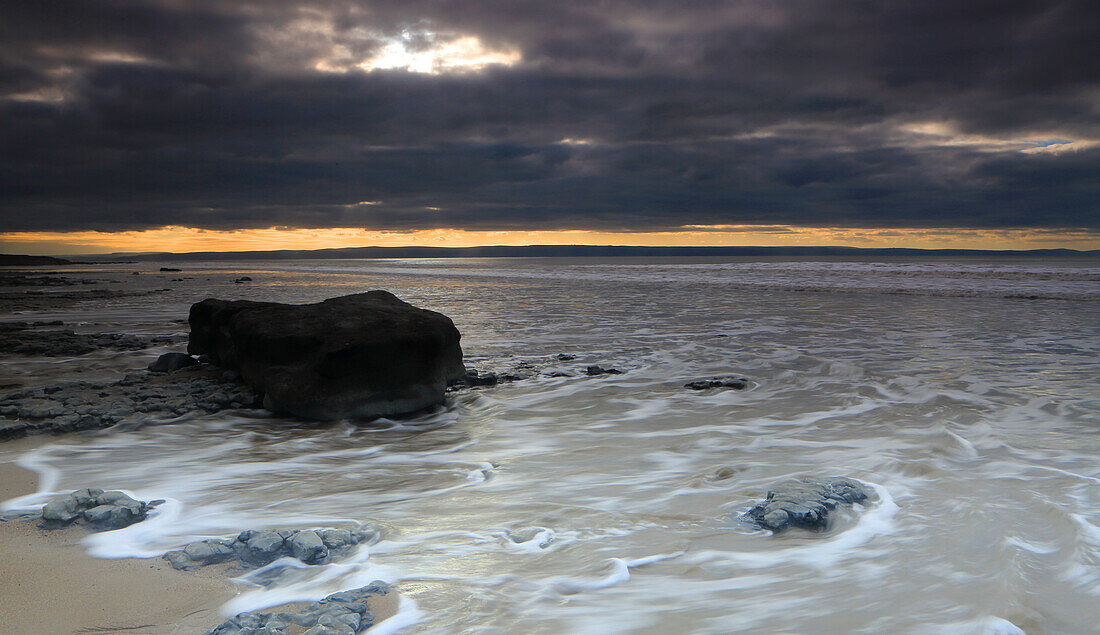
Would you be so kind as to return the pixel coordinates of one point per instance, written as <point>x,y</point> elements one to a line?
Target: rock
<point>363,355</point>
<point>170,269</point>
<point>102,510</point>
<point>258,548</point>
<point>209,552</point>
<point>338,538</point>
<point>307,546</point>
<point>736,383</point>
<point>344,613</point>
<point>242,279</point>
<point>106,517</point>
<point>63,509</point>
<point>599,370</point>
<point>805,503</point>
<point>566,357</point>
<point>169,362</point>
<point>85,405</point>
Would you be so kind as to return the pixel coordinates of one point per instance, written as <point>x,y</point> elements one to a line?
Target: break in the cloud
<point>403,115</point>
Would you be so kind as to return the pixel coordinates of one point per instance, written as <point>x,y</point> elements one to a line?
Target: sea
<point>964,392</point>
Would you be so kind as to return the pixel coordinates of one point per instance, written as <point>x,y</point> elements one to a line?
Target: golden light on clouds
<point>186,239</point>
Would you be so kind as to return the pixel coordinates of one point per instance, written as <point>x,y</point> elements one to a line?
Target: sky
<point>172,125</point>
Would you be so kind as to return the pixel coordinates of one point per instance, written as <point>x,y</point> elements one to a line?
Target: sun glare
<point>466,53</point>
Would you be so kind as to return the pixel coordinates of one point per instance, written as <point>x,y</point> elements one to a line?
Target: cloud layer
<point>505,115</point>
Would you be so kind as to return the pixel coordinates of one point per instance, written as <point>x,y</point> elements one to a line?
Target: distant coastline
<point>579,251</point>
<point>17,260</point>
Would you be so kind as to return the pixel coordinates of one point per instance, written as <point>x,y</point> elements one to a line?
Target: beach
<point>52,585</point>
<point>958,394</point>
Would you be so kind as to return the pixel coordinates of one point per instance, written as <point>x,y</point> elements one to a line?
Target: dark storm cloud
<point>122,115</point>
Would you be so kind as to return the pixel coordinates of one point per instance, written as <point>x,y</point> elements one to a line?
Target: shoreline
<point>51,585</point>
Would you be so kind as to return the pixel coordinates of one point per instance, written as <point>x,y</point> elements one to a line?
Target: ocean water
<point>966,393</point>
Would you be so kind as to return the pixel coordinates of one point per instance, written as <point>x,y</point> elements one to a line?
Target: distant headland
<point>583,251</point>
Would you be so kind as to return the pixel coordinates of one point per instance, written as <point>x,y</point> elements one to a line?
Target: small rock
<point>599,370</point>
<point>565,357</point>
<point>805,503</point>
<point>242,279</point>
<point>258,548</point>
<point>307,546</point>
<point>169,362</point>
<point>63,509</point>
<point>736,383</point>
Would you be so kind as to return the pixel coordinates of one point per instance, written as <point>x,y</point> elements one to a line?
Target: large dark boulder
<point>364,355</point>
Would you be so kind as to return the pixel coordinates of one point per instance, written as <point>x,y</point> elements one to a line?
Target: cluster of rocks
<point>29,338</point>
<point>19,280</point>
<point>84,405</point>
<point>475,378</point>
<point>99,509</point>
<point>258,548</point>
<point>805,503</point>
<point>344,613</point>
<point>736,383</point>
<point>39,300</point>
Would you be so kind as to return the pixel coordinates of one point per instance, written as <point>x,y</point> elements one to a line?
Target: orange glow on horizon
<point>188,239</point>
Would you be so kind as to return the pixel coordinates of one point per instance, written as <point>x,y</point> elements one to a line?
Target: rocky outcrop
<point>736,383</point>
<point>805,503</point>
<point>22,338</point>
<point>358,356</point>
<point>99,509</point>
<point>344,613</point>
<point>86,405</point>
<point>258,548</point>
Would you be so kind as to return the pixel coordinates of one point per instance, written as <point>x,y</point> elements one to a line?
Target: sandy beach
<point>52,586</point>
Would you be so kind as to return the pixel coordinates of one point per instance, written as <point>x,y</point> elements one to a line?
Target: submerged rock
<point>102,510</point>
<point>736,383</point>
<point>805,503</point>
<point>600,370</point>
<point>169,362</point>
<point>344,613</point>
<point>363,355</point>
<point>254,548</point>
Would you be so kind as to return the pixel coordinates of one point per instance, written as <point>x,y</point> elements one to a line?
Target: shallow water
<point>966,393</point>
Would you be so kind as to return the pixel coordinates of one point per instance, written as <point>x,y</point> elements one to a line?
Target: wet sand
<point>50,585</point>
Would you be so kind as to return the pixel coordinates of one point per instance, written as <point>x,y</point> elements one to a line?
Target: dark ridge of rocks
<point>18,280</point>
<point>90,405</point>
<point>594,371</point>
<point>475,378</point>
<point>22,338</point>
<point>43,301</point>
<point>258,548</point>
<point>736,383</point>
<point>103,511</point>
<point>358,356</point>
<point>344,613</point>
<point>170,269</point>
<point>169,362</point>
<point>805,503</point>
